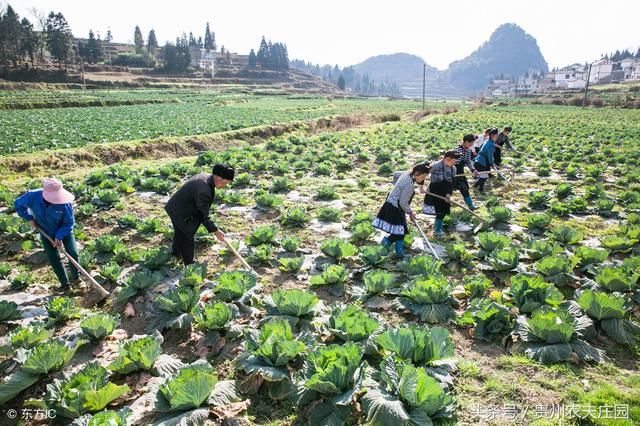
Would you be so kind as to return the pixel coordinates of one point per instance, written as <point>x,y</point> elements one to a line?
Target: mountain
<point>510,51</point>
<point>398,66</point>
<point>403,69</point>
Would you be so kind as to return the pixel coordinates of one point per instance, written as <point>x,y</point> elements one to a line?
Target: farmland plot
<point>174,114</point>
<point>539,310</point>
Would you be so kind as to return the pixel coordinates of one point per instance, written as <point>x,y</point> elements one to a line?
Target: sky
<point>347,32</point>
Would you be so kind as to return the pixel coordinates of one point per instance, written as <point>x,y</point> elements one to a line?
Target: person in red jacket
<point>190,207</point>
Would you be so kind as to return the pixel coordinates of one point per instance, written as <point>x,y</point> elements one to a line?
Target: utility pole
<point>424,76</point>
<point>586,88</point>
<point>84,84</point>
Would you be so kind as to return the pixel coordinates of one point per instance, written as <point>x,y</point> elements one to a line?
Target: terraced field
<point>532,321</point>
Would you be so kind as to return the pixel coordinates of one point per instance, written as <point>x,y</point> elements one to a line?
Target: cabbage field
<point>533,320</point>
<point>46,120</point>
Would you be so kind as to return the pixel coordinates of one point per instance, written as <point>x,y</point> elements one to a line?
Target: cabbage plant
<point>553,335</point>
<point>99,326</point>
<point>612,312</point>
<point>430,299</point>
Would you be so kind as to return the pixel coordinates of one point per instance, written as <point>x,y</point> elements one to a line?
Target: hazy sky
<point>346,32</point>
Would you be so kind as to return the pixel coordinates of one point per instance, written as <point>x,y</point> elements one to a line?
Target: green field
<point>172,113</point>
<point>538,311</point>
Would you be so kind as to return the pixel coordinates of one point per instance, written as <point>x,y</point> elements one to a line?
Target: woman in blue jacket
<point>50,210</point>
<point>485,159</point>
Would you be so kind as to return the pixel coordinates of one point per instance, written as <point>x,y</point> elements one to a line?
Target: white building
<point>527,85</point>
<point>601,70</point>
<point>501,88</point>
<point>631,69</point>
<point>571,77</point>
<point>203,59</point>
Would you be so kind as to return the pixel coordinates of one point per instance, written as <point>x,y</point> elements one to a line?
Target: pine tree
<point>177,57</point>
<point>616,56</point>
<point>638,53</point>
<point>109,37</point>
<point>91,48</point>
<point>10,31</point>
<point>94,51</point>
<point>192,40</point>
<point>269,55</point>
<point>200,44</point>
<point>252,59</point>
<point>261,57</point>
<point>152,41</point>
<point>28,41</point>
<point>341,83</point>
<point>59,38</point>
<point>138,40</point>
<point>285,57</point>
<point>209,41</point>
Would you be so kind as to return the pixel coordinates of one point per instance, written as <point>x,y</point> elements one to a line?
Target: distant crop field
<point>156,113</point>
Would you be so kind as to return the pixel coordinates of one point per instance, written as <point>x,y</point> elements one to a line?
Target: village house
<point>203,59</point>
<point>630,68</point>
<point>500,88</point>
<point>571,77</point>
<point>601,71</point>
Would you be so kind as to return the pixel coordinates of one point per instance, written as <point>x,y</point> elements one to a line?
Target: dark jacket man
<point>190,207</point>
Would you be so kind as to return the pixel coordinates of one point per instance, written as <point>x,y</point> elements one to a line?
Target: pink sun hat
<point>53,192</point>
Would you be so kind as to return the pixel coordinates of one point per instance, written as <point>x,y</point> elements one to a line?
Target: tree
<point>209,39</point>
<point>94,49</point>
<point>177,57</point>
<point>152,42</point>
<point>10,32</point>
<point>252,59</point>
<point>28,41</point>
<point>138,40</point>
<point>341,83</point>
<point>59,38</point>
<point>109,37</point>
<point>261,57</point>
<point>41,19</point>
<point>200,43</point>
<point>638,53</point>
<point>192,40</point>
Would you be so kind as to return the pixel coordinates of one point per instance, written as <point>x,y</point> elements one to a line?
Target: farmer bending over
<point>392,216</point>
<point>49,210</point>
<point>441,183</point>
<point>189,208</point>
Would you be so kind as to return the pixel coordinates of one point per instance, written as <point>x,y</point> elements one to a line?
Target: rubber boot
<point>400,249</point>
<point>438,227</point>
<point>386,243</point>
<point>469,202</point>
